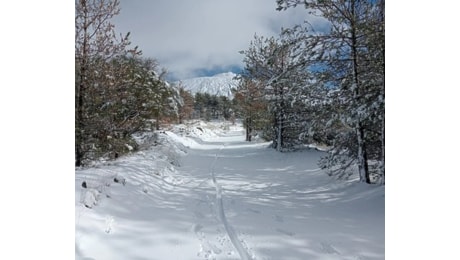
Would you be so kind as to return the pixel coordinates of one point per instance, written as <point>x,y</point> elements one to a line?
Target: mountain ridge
<point>220,84</point>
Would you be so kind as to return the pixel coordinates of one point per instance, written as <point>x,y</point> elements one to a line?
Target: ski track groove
<point>221,213</point>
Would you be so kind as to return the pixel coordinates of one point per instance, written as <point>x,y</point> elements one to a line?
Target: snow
<point>202,192</point>
<point>220,84</point>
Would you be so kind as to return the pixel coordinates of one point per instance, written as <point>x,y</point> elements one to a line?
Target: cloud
<point>191,36</point>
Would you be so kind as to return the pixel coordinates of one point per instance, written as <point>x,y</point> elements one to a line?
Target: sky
<point>201,37</point>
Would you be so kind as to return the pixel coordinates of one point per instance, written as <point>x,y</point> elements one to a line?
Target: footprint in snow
<point>279,218</point>
<point>253,210</point>
<point>109,224</point>
<point>196,228</point>
<point>282,231</point>
<point>328,248</point>
<point>214,248</point>
<point>198,214</point>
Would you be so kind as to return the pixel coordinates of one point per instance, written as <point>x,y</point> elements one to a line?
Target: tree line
<point>304,86</point>
<point>322,86</point>
<point>117,91</point>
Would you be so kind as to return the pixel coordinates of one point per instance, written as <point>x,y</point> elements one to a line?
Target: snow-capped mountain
<point>220,84</point>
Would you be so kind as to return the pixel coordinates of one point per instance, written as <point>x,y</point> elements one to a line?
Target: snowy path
<point>221,213</point>
<point>231,200</point>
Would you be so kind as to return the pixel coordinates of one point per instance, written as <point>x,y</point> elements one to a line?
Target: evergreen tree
<point>117,92</point>
<point>274,63</point>
<point>349,62</point>
<point>253,106</point>
<point>186,105</point>
<point>95,42</point>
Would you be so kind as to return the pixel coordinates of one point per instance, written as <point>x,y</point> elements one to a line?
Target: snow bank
<point>201,192</point>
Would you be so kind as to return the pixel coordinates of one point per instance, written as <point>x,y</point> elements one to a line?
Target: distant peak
<point>220,84</point>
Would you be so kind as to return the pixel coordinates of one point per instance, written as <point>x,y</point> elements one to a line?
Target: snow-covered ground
<point>204,193</point>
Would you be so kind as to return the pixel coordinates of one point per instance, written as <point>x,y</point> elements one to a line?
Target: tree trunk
<point>79,93</point>
<point>248,138</point>
<point>79,115</point>
<point>362,154</point>
<point>280,134</point>
<point>79,124</point>
<point>383,151</point>
<point>157,123</point>
<point>382,48</point>
<point>383,136</point>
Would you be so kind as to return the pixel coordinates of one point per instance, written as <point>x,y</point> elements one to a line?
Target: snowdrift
<point>201,192</point>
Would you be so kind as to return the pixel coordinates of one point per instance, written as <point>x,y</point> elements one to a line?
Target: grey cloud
<point>185,36</point>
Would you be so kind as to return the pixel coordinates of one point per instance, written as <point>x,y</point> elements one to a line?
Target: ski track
<point>288,214</point>
<point>221,213</point>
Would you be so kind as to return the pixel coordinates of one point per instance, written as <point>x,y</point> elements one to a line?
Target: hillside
<point>220,84</point>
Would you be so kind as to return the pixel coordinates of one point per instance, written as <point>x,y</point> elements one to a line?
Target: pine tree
<point>349,61</point>
<point>117,92</point>
<point>186,105</point>
<point>95,42</point>
<point>250,99</point>
<point>274,64</point>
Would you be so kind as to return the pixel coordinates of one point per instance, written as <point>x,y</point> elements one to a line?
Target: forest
<point>305,86</point>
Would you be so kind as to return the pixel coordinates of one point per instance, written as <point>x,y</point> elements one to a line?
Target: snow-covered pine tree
<point>275,65</point>
<point>250,100</point>
<point>95,40</point>
<point>349,61</point>
<point>185,104</point>
<point>117,92</point>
